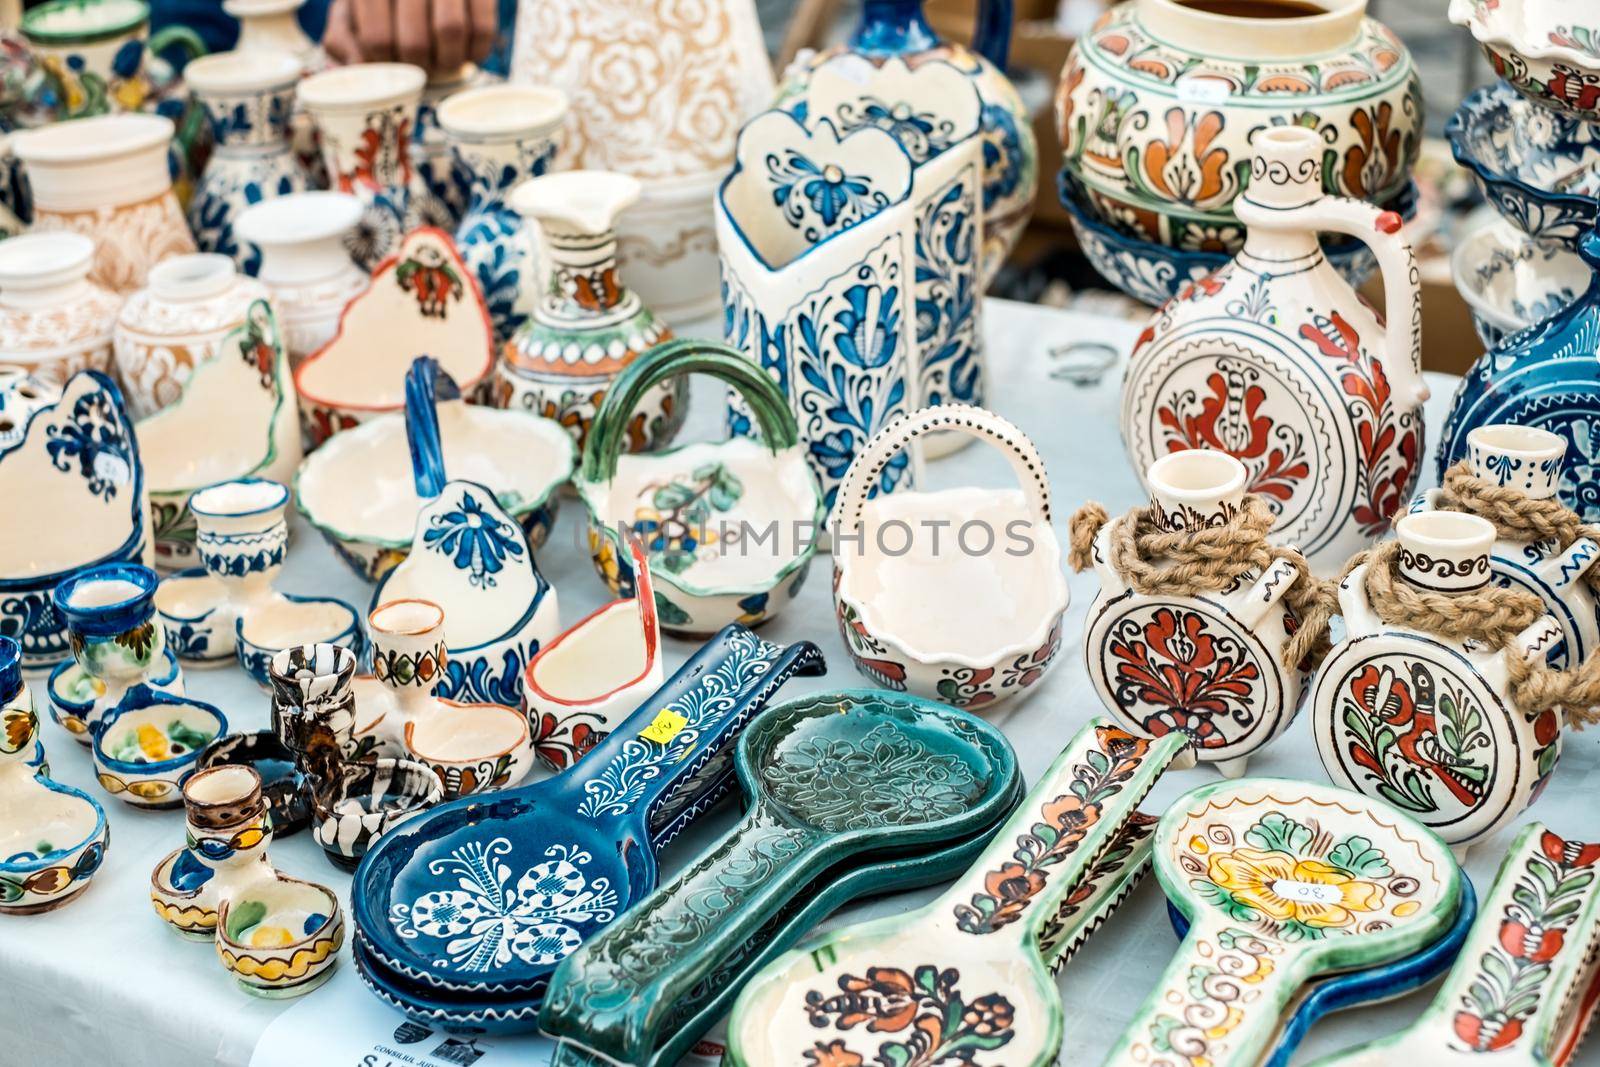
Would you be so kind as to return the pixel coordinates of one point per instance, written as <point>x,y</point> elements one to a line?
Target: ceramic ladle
<point>487,894</point>
<point>970,971</point>
<point>1282,882</point>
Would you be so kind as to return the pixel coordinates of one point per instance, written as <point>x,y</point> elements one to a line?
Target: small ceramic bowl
<point>190,605</point>
<point>52,852</point>
<point>285,787</point>
<point>366,801</point>
<point>71,692</point>
<point>280,938</point>
<point>294,620</point>
<point>1510,281</point>
<point>1538,169</point>
<point>1548,50</point>
<point>150,743</point>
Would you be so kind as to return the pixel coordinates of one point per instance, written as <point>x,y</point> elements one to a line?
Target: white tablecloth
<point>103,980</point>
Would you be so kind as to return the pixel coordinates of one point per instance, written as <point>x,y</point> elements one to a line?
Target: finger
<point>484,15</point>
<point>374,26</point>
<point>412,32</point>
<point>339,39</point>
<point>449,33</point>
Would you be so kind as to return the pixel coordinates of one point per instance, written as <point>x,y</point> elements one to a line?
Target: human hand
<point>437,35</point>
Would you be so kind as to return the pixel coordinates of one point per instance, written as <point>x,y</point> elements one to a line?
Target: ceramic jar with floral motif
<point>501,136</point>
<point>248,97</point>
<point>1547,50</point>
<point>98,55</point>
<point>1275,360</point>
<point>177,322</point>
<point>1161,103</point>
<point>107,177</point>
<point>54,321</point>
<point>439,193</point>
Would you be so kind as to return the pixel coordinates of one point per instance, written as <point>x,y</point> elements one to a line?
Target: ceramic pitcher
<point>1425,722</point>
<point>1275,360</point>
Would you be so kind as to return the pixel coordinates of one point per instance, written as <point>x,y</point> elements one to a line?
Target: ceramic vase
<point>228,832</point>
<point>314,706</point>
<point>587,325</point>
<point>107,177</point>
<point>304,263</point>
<point>500,136</point>
<point>898,29</point>
<point>249,98</point>
<point>1211,665</point>
<point>1424,722</point>
<point>1162,104</point>
<point>54,322</point>
<point>1275,360</point>
<point>366,117</point>
<point>99,56</point>
<point>439,193</point>
<point>177,322</point>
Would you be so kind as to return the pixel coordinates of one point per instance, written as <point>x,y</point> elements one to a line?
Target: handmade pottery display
<point>1275,360</point>
<point>1282,882</point>
<point>99,55</point>
<point>1007,630</point>
<point>894,32</point>
<point>365,800</point>
<point>1529,460</point>
<point>54,322</point>
<point>800,836</point>
<point>53,838</point>
<point>523,456</point>
<point>1546,50</point>
<point>229,828</point>
<point>970,971</point>
<point>1427,722</point>
<point>304,264</point>
<point>818,280</point>
<point>238,402</point>
<point>501,136</point>
<point>673,127</point>
<point>694,506</point>
<point>590,834</point>
<point>283,784</point>
<point>591,676</point>
<point>1544,377</point>
<point>249,98</point>
<point>586,325</point>
<point>1209,665</point>
<point>281,937</point>
<point>422,301</point>
<point>147,746</point>
<point>1521,991</point>
<point>1511,281</point>
<point>366,117</point>
<point>1162,106</point>
<point>107,178</point>
<point>177,322</point>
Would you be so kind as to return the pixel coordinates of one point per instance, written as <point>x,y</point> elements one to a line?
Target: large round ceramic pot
<point>1160,104</point>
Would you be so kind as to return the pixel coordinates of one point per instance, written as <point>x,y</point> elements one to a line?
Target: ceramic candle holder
<point>110,616</point>
<point>314,706</point>
<point>280,938</point>
<point>229,829</point>
<point>284,786</point>
<point>54,321</point>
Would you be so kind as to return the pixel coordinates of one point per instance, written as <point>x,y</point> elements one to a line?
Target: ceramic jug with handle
<point>1275,360</point>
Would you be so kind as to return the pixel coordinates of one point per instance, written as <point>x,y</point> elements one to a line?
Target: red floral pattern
<point>1172,673</point>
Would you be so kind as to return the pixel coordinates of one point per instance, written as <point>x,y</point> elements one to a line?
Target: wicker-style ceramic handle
<point>684,356</point>
<point>903,433</point>
<point>426,385</point>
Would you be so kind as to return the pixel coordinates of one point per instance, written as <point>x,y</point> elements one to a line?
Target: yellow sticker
<point>664,727</point>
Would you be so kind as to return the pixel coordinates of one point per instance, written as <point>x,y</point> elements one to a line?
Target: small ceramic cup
<point>280,938</point>
<point>241,534</point>
<point>148,745</point>
<point>314,707</point>
<point>1195,489</point>
<point>1525,458</point>
<point>408,649</point>
<point>1445,551</point>
<point>110,614</point>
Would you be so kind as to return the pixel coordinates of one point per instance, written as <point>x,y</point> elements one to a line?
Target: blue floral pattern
<point>475,540</point>
<point>820,199</point>
<point>491,236</point>
<point>948,285</point>
<point>94,440</point>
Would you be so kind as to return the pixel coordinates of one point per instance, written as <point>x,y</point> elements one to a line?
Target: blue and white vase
<point>500,136</point>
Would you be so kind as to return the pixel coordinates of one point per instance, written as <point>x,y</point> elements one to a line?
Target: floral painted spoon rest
<point>1282,882</point>
<point>967,978</point>
<point>835,784</point>
<point>487,895</point>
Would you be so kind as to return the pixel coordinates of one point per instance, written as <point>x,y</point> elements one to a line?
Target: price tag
<point>664,727</point>
<point>1203,90</point>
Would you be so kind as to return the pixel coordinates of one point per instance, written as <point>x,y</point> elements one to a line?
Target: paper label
<point>664,727</point>
<point>1201,90</point>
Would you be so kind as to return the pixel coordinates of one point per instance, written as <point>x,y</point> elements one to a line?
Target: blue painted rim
<point>350,637</point>
<point>107,620</point>
<point>55,856</point>
<point>1456,131</point>
<point>282,501</point>
<point>142,698</point>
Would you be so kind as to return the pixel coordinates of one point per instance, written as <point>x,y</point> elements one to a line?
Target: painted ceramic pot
<point>1511,281</point>
<point>438,193</point>
<point>588,678</point>
<point>314,707</point>
<point>501,136</point>
<point>1544,377</point>
<point>1161,107</point>
<point>54,837</point>
<point>366,800</point>
<point>1210,666</point>
<point>1546,50</point>
<point>1529,460</point>
<point>971,971</point>
<point>422,301</point>
<point>107,178</point>
<point>147,746</point>
<point>817,238</point>
<point>1425,722</point>
<point>109,612</point>
<point>249,98</point>
<point>587,325</point>
<point>177,322</point>
<point>54,322</point>
<point>280,938</point>
<point>229,829</point>
<point>304,265</point>
<point>1275,360</point>
<point>696,507</point>
<point>524,456</point>
<point>896,30</point>
<point>98,55</point>
<point>283,784</point>
<point>366,117</point>
<point>1539,170</point>
<point>1012,597</point>
<point>800,835</point>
